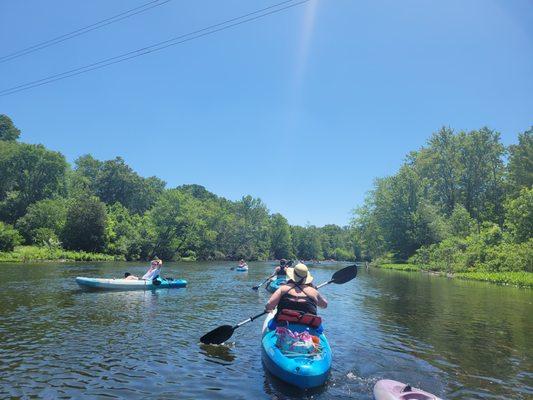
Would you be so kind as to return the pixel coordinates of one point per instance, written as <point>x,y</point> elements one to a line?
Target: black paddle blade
<point>344,275</point>
<point>218,335</point>
<point>255,288</point>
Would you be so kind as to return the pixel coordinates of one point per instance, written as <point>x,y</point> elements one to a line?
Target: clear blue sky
<point>302,109</point>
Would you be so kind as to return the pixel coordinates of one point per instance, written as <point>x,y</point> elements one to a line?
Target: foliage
<point>85,225</point>
<point>33,253</point>
<point>521,162</point>
<point>114,181</point>
<point>9,237</point>
<point>519,215</point>
<point>523,279</point>
<point>29,173</point>
<point>48,214</point>
<point>281,239</point>
<point>8,131</point>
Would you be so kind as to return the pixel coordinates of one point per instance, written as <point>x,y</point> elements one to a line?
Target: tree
<point>461,224</point>
<point>281,246</point>
<point>114,181</point>
<point>520,165</point>
<point>9,237</point>
<point>8,131</point>
<point>49,213</point>
<point>85,226</point>
<point>519,216</point>
<point>30,173</point>
<point>481,178</point>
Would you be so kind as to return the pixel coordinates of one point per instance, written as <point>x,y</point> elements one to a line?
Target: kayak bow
<point>387,389</point>
<point>275,284</point>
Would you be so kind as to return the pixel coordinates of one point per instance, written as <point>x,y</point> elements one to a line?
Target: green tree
<point>519,216</point>
<point>481,154</point>
<point>281,242</point>
<point>8,131</point>
<point>520,165</point>
<point>461,224</point>
<point>9,237</point>
<point>32,173</point>
<point>85,226</point>
<point>114,181</point>
<point>49,213</point>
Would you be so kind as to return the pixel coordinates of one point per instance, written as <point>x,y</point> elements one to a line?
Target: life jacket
<point>291,308</point>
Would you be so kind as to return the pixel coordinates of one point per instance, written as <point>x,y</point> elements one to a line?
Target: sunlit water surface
<point>459,340</point>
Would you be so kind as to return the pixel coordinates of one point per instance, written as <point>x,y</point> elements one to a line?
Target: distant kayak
<point>275,284</point>
<point>129,284</point>
<point>387,389</point>
<point>241,269</point>
<point>301,370</point>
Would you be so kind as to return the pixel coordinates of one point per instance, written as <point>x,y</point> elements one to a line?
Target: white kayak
<point>129,284</point>
<point>387,389</point>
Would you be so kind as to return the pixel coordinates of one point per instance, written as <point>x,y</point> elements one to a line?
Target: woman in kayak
<point>298,294</point>
<point>242,264</point>
<point>152,273</point>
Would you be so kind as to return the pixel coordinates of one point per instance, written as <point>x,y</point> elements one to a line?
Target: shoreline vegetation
<point>461,205</point>
<point>512,278</point>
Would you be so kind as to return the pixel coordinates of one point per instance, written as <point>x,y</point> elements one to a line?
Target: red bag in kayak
<point>297,317</point>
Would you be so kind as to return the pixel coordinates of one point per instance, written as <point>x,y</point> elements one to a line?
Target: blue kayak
<point>275,284</point>
<point>302,370</point>
<point>241,269</point>
<point>129,284</point>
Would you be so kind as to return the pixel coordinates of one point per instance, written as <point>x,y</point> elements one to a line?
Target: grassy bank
<point>521,278</point>
<point>34,253</point>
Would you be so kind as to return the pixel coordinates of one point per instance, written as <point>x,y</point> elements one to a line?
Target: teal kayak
<point>241,269</point>
<point>275,284</point>
<point>302,370</point>
<point>129,284</point>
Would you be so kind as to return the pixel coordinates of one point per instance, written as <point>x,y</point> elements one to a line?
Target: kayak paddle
<point>265,281</point>
<point>222,333</point>
<point>289,264</point>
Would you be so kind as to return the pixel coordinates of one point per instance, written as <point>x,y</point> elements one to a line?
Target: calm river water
<point>459,340</point>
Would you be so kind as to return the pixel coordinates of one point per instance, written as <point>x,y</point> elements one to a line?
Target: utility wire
<point>81,31</point>
<point>158,46</point>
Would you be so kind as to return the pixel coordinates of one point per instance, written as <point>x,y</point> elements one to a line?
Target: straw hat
<point>300,274</point>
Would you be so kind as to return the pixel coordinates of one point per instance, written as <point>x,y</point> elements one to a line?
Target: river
<point>457,339</point>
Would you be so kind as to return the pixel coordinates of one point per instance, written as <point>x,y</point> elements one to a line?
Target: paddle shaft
<point>249,319</point>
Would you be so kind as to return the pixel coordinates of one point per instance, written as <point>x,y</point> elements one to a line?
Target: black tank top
<point>292,302</point>
<point>282,271</point>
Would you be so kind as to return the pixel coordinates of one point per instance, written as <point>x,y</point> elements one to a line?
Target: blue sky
<point>303,108</point>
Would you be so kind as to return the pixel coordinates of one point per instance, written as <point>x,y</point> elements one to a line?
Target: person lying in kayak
<point>152,273</point>
<point>298,294</point>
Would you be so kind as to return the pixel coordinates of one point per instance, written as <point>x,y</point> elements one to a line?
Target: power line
<point>81,31</point>
<point>157,46</point>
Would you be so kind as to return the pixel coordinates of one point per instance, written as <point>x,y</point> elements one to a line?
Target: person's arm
<point>321,301</point>
<point>274,300</point>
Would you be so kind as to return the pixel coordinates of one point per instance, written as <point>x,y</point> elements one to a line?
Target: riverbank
<point>514,278</point>
<point>24,254</point>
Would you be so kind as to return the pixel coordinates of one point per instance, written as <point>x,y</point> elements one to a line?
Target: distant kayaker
<point>281,270</point>
<point>242,264</point>
<point>152,273</point>
<point>298,294</point>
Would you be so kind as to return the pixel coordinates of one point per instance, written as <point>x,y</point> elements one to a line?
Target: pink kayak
<point>387,389</point>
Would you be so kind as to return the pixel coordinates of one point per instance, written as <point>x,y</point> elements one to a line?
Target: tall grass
<point>34,253</point>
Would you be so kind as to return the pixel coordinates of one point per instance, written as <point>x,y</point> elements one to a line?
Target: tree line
<point>462,202</point>
<point>106,207</point>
